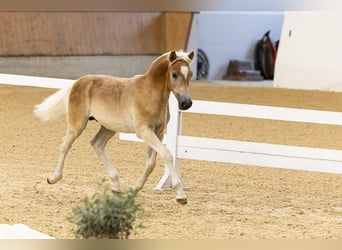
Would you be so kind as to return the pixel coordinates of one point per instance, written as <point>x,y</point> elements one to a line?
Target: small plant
<point>107,215</point>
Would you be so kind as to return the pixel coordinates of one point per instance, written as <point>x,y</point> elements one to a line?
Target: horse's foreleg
<point>69,138</point>
<point>99,143</point>
<point>150,164</point>
<point>153,141</point>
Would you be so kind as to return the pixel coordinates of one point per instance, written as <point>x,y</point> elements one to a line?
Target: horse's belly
<point>115,120</point>
<point>118,125</point>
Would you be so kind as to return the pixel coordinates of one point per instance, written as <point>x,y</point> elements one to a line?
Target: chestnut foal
<point>138,104</point>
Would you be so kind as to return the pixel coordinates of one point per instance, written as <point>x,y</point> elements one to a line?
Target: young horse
<point>138,104</point>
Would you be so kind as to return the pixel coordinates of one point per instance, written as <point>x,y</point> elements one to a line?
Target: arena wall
<point>92,33</point>
<point>71,44</point>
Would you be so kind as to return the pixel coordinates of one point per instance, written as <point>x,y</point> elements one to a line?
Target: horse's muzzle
<point>184,103</point>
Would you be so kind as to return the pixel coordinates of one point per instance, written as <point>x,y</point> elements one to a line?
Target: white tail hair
<point>53,106</point>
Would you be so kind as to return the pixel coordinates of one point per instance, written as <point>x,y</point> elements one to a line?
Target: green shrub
<point>107,215</point>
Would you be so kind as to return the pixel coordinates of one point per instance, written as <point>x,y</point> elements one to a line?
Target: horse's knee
<point>167,156</point>
<point>151,163</point>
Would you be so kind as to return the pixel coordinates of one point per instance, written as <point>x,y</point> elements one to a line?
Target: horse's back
<point>107,99</point>
<point>102,87</point>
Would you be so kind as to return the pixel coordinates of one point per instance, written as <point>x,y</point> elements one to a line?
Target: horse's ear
<point>191,55</point>
<point>172,56</point>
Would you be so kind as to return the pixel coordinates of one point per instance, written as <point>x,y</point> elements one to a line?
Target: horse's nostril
<point>184,105</point>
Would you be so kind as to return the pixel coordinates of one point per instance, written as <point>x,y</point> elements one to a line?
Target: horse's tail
<point>53,106</point>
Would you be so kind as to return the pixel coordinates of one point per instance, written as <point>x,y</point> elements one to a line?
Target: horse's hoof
<point>48,181</point>
<point>52,180</point>
<point>116,191</point>
<point>182,201</point>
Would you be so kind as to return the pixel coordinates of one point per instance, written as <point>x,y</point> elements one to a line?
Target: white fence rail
<point>229,151</point>
<point>34,81</point>
<point>250,153</point>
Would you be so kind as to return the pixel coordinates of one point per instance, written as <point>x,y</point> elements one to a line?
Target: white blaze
<point>185,71</point>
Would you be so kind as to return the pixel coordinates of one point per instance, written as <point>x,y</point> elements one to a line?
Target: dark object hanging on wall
<point>265,56</point>
<point>202,65</point>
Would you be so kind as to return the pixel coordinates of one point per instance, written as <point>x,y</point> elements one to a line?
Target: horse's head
<point>178,77</point>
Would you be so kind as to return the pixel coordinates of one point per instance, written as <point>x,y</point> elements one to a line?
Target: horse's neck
<point>158,68</point>
<point>156,76</point>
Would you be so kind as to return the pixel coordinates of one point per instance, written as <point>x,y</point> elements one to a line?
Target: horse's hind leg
<point>77,121</point>
<point>71,135</point>
<point>99,143</point>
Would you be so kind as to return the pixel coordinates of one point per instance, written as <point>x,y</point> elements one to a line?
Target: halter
<point>181,59</point>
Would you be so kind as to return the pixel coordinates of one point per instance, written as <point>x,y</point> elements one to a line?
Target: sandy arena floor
<point>226,201</point>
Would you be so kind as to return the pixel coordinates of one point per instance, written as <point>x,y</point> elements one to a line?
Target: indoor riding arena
<point>225,200</point>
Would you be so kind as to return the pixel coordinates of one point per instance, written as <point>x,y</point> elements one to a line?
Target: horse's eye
<point>174,75</point>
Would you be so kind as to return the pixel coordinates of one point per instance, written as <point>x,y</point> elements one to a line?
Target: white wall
<point>193,42</point>
<point>310,53</point>
<point>233,35</point>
